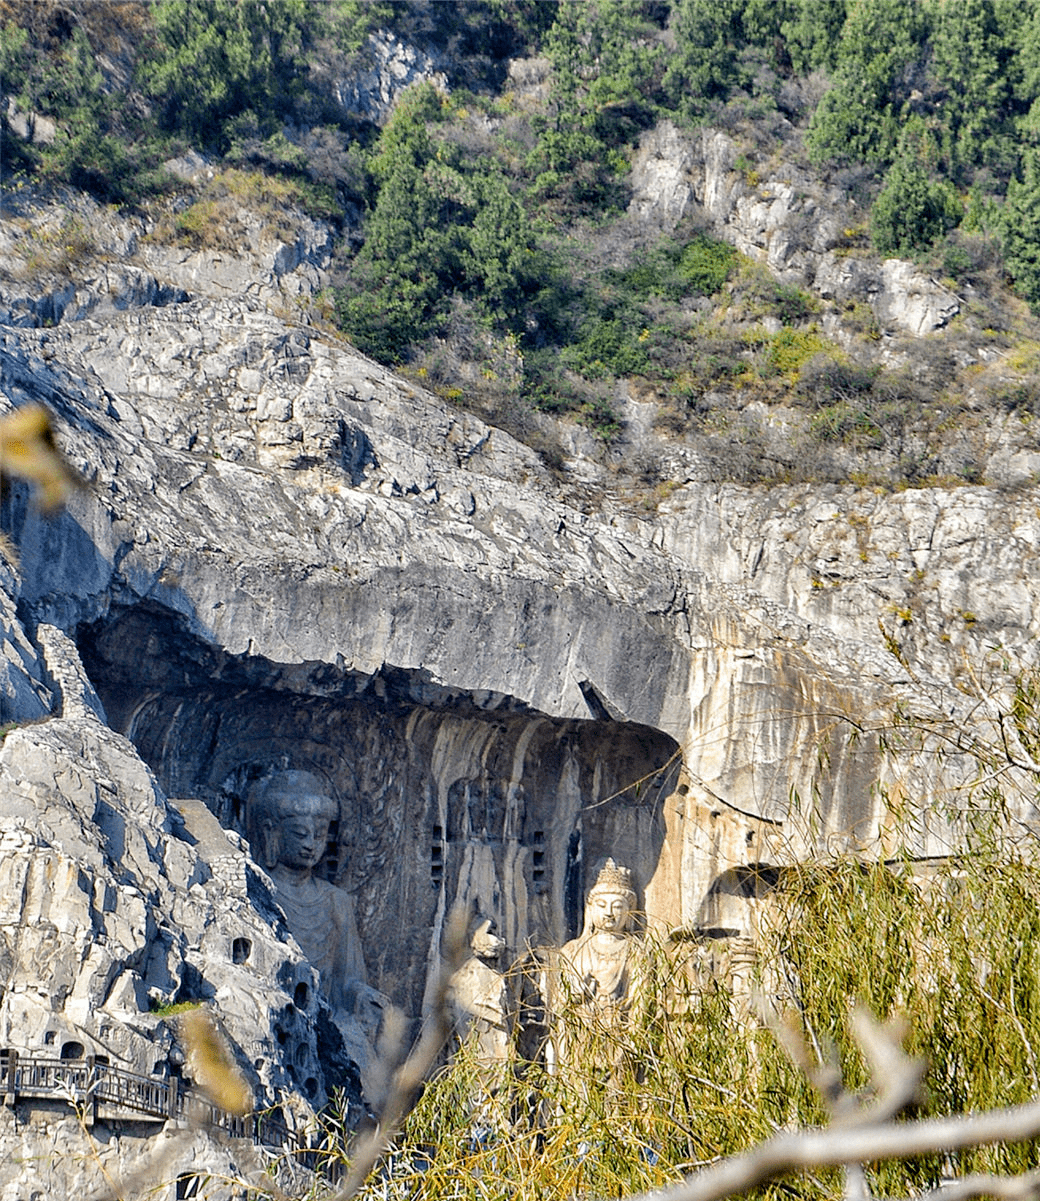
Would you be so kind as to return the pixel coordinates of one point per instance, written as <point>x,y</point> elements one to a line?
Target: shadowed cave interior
<point>444,798</point>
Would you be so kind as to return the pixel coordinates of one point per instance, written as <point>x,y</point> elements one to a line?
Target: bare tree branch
<point>836,1146</point>
<point>1005,1188</point>
<point>409,1077</point>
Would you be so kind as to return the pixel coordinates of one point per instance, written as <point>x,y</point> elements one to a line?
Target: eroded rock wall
<point>783,216</point>
<point>322,529</point>
<point>284,554</point>
<point>114,905</point>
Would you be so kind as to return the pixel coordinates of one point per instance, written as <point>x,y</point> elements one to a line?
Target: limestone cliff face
<point>948,573</point>
<point>785,218</point>
<point>285,554</point>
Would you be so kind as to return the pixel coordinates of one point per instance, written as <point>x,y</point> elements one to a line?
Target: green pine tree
<point>858,120</point>
<point>216,59</point>
<point>970,67</point>
<point>1021,229</point>
<point>911,210</point>
<point>705,65</point>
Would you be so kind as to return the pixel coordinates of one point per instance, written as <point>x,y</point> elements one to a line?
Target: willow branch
<point>1005,1188</point>
<point>409,1077</point>
<point>836,1146</point>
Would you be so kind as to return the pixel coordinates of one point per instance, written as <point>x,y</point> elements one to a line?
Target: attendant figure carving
<point>291,812</point>
<point>482,1001</point>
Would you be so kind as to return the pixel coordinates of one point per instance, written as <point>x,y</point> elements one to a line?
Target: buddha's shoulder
<point>333,895</point>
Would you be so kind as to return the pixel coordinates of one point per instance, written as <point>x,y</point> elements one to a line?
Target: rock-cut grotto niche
<point>423,804</point>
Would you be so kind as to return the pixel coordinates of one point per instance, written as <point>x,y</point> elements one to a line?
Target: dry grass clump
<point>51,249</point>
<point>217,218</point>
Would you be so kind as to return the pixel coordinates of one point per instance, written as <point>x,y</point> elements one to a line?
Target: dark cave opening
<point>441,802</point>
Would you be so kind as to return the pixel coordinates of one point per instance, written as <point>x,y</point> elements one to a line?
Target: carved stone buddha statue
<point>597,965</point>
<point>591,980</point>
<point>291,812</point>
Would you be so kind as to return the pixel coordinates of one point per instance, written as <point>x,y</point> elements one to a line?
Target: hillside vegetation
<point>485,244</point>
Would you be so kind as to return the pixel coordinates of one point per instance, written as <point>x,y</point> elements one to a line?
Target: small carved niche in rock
<point>538,861</point>
<point>241,948</point>
<point>72,1050</point>
<point>188,1185</point>
<point>437,856</point>
<point>301,995</point>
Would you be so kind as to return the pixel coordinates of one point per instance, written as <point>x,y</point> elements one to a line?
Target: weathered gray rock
<point>782,217</point>
<point>54,1155</point>
<point>114,901</point>
<point>662,169</point>
<point>947,572</point>
<point>23,695</point>
<point>387,66</point>
<point>77,260</point>
<point>902,296</point>
<point>32,127</point>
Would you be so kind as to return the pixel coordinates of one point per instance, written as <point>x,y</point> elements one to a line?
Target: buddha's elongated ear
<point>270,843</point>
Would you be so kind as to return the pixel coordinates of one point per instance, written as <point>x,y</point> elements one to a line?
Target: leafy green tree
<point>1027,74</point>
<point>441,226</point>
<point>500,262</point>
<point>706,63</point>
<point>761,21</point>
<point>1021,229</point>
<point>858,120</point>
<point>215,59</point>
<point>351,21</point>
<point>530,19</point>
<point>911,211</point>
<point>812,33</point>
<point>89,150</point>
<point>969,66</point>
<point>605,66</point>
<point>396,279</point>
<point>14,55</point>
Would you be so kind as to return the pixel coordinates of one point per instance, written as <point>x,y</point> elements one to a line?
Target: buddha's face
<point>302,838</point>
<point>608,911</point>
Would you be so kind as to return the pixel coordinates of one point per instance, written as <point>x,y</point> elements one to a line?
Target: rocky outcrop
<point>283,555</point>
<point>32,127</point>
<point>904,298</point>
<point>76,260</point>
<point>385,67</point>
<point>783,217</point>
<point>22,691</point>
<point>115,905</point>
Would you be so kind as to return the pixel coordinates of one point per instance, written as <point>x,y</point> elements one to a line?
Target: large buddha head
<point>291,815</point>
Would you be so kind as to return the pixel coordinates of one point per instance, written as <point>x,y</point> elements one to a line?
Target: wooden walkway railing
<point>88,1085</point>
